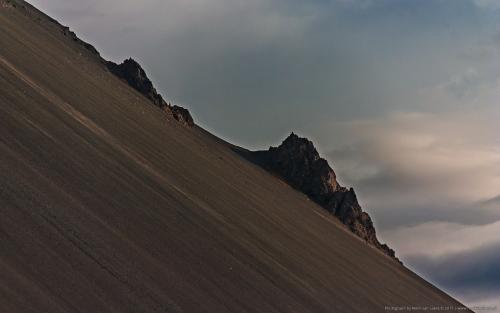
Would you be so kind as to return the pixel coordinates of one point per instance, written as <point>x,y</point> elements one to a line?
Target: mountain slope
<point>298,163</point>
<point>109,205</point>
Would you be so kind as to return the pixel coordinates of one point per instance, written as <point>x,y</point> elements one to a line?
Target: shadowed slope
<point>106,205</point>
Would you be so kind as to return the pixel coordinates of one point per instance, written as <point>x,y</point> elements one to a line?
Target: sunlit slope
<point>107,205</point>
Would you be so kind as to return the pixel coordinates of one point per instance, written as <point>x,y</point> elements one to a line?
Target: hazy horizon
<point>400,97</point>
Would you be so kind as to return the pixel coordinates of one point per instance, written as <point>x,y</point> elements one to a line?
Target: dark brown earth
<point>109,205</point>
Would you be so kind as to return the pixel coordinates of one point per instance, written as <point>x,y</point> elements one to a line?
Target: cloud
<point>431,183</point>
<point>472,275</point>
<point>286,64</point>
<point>493,203</point>
<point>494,4</point>
<point>460,85</point>
<point>441,239</point>
<point>416,168</point>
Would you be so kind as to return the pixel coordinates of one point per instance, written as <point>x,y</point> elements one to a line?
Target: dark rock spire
<point>136,77</point>
<point>298,162</point>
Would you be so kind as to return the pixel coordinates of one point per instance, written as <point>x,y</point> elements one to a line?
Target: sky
<point>401,96</point>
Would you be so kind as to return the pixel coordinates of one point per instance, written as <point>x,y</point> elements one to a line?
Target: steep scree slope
<point>108,206</point>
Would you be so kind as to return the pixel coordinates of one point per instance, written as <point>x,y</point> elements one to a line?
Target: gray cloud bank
<point>424,167</point>
<point>471,275</point>
<point>431,183</point>
<point>289,64</point>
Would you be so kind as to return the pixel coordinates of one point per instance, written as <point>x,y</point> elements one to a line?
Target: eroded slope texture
<point>109,205</point>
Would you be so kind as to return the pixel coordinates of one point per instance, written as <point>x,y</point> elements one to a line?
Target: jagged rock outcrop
<point>136,77</point>
<point>298,162</point>
<point>68,33</point>
<point>182,115</point>
<point>129,70</point>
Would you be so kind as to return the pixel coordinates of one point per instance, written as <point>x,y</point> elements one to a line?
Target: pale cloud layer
<point>400,95</point>
<point>495,4</point>
<point>431,183</point>
<point>424,162</point>
<point>438,239</point>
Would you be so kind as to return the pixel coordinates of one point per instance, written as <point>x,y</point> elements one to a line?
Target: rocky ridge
<point>132,72</point>
<point>27,9</point>
<point>129,70</point>
<point>298,162</point>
